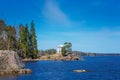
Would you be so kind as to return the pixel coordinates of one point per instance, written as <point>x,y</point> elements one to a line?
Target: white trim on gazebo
<point>59,49</point>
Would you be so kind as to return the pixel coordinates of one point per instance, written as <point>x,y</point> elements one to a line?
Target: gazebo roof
<point>60,46</point>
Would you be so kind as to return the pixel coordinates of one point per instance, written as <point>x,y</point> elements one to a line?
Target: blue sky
<point>90,25</point>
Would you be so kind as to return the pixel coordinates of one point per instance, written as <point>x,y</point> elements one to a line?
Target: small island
<point>19,44</point>
<point>63,52</point>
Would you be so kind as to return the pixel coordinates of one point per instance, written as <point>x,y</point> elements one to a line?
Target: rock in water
<point>9,60</point>
<point>79,71</point>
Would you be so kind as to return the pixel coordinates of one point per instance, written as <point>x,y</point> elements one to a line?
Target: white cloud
<point>54,14</point>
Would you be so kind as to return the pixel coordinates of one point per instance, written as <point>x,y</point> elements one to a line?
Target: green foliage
<point>50,51</point>
<point>2,44</point>
<point>28,42</point>
<point>2,41</point>
<point>23,41</point>
<point>2,26</point>
<point>7,37</point>
<point>67,48</point>
<point>33,41</point>
<point>11,38</point>
<point>46,52</point>
<point>63,51</point>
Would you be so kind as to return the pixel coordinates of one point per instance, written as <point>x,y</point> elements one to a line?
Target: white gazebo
<point>59,49</point>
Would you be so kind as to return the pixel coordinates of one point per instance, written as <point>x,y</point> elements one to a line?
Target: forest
<point>21,39</point>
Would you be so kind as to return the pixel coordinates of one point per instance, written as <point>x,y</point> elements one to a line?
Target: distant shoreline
<point>95,54</point>
<point>106,54</point>
<point>59,58</point>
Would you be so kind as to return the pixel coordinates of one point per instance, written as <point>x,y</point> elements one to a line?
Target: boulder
<point>79,71</point>
<point>9,60</point>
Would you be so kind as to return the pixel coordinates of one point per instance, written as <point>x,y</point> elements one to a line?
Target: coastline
<point>55,57</point>
<point>16,71</point>
<point>11,63</point>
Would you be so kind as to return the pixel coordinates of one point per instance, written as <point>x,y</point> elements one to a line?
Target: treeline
<point>46,52</point>
<point>79,53</point>
<point>20,39</point>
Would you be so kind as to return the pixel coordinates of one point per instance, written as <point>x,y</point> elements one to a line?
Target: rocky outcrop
<point>16,71</point>
<point>10,63</point>
<point>9,60</point>
<point>60,57</point>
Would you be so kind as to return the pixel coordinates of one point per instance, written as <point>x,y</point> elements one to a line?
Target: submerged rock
<point>79,71</point>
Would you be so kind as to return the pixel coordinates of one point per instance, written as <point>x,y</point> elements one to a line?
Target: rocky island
<point>56,56</point>
<point>60,57</point>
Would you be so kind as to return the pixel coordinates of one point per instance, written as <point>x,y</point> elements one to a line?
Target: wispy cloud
<point>54,14</point>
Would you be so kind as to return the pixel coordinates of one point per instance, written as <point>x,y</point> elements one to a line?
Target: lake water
<point>98,68</point>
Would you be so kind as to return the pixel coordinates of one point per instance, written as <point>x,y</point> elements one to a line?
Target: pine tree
<point>7,37</point>
<point>11,37</point>
<point>22,41</point>
<point>2,26</point>
<point>33,41</point>
<point>67,48</point>
<point>2,31</point>
<point>27,48</point>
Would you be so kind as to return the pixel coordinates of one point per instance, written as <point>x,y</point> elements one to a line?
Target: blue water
<point>98,68</point>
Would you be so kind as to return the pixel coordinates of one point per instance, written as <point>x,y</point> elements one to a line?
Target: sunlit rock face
<point>60,57</point>
<point>9,60</point>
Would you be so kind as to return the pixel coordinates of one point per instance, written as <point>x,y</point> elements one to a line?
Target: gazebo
<point>59,49</point>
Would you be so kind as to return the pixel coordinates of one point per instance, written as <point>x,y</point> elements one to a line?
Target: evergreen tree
<point>33,41</point>
<point>63,51</point>
<point>2,41</point>
<point>50,51</point>
<point>67,48</point>
<point>22,41</point>
<point>27,48</point>
<point>11,37</point>
<point>2,26</point>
